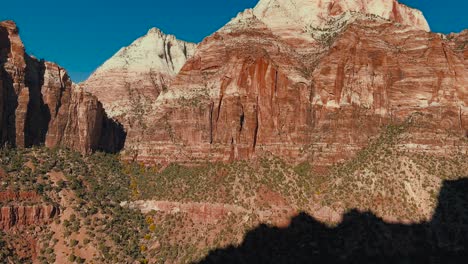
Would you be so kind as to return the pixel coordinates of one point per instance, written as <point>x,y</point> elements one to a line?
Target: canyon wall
<point>23,209</point>
<point>247,90</point>
<point>23,216</point>
<point>40,105</point>
<point>303,80</point>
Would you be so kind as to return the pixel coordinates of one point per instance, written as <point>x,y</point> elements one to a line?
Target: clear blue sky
<point>81,34</point>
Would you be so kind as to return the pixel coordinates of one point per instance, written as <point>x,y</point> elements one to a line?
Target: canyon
<point>315,90</point>
<point>300,127</point>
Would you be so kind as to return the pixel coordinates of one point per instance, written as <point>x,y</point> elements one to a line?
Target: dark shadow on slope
<point>38,113</point>
<point>361,238</point>
<point>8,96</point>
<point>113,135</point>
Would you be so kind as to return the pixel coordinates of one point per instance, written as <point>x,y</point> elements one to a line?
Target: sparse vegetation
<point>92,194</point>
<point>90,189</point>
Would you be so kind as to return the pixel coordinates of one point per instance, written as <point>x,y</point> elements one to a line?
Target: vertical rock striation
<point>40,105</point>
<point>23,216</point>
<point>314,87</point>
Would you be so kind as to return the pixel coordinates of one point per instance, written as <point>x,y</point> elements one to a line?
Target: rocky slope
<point>291,19</point>
<point>189,211</point>
<point>218,205</point>
<point>58,206</point>
<point>293,14</point>
<point>129,82</point>
<point>316,91</point>
<point>40,105</point>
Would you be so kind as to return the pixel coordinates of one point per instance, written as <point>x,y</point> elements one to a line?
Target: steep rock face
<point>40,105</point>
<point>395,72</point>
<point>20,216</point>
<point>12,60</point>
<point>134,77</point>
<point>250,89</point>
<point>14,214</point>
<point>388,68</point>
<point>460,43</point>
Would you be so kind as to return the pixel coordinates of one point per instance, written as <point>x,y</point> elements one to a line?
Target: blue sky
<point>81,35</point>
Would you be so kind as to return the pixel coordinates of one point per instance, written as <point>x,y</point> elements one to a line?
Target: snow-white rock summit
<point>156,50</point>
<point>137,74</point>
<point>304,23</point>
<point>315,13</point>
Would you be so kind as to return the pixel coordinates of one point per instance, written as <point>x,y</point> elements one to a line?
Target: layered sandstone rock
<point>20,216</point>
<point>40,105</point>
<point>133,78</point>
<point>255,87</point>
<point>299,22</point>
<point>16,213</point>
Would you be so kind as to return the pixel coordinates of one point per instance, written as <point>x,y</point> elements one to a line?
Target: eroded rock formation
<point>30,215</point>
<point>40,105</point>
<point>314,93</point>
<point>14,211</point>
<point>128,83</point>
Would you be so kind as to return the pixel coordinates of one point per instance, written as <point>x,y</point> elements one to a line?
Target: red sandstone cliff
<point>34,215</point>
<point>14,212</point>
<point>40,105</point>
<point>317,94</point>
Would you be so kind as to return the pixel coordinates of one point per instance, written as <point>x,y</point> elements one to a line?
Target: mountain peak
<point>316,13</point>
<point>155,30</point>
<point>148,65</point>
<point>10,25</point>
<point>155,50</point>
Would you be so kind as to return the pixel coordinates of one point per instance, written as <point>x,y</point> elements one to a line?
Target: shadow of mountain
<point>113,136</point>
<point>38,115</point>
<point>8,96</point>
<point>361,238</point>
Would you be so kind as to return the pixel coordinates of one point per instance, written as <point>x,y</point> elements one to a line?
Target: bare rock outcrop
<point>40,105</point>
<point>26,215</point>
<point>317,94</point>
<point>130,81</point>
<point>201,212</point>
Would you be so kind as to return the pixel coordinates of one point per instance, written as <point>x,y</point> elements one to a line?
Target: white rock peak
<point>155,51</point>
<point>315,13</point>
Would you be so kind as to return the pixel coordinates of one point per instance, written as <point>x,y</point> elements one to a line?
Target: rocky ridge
<point>279,14</point>
<point>11,216</point>
<point>133,78</point>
